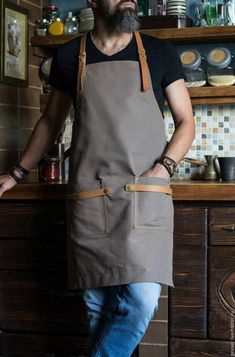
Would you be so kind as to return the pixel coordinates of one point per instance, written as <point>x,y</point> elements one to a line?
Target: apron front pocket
<point>87,211</point>
<point>152,203</point>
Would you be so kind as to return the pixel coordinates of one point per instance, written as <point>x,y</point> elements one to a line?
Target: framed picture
<point>13,44</point>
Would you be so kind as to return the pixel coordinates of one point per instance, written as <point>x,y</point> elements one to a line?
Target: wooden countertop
<point>182,191</point>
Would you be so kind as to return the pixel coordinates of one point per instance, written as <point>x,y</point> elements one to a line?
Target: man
<point>120,213</point>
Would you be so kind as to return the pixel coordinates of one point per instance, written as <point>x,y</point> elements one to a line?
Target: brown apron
<point>120,223</point>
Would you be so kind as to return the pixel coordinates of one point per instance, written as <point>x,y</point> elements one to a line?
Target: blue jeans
<point>119,316</point>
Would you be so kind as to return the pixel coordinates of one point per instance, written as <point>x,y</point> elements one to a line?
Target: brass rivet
<point>127,188</point>
<point>106,190</point>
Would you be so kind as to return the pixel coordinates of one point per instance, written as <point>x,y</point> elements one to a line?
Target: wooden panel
<point>188,299</point>
<point>221,292</point>
<point>32,220</point>
<point>180,347</point>
<point>40,301</point>
<point>222,226</point>
<point>26,345</point>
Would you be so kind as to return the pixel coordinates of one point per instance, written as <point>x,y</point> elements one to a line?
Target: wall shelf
<point>175,35</point>
<point>44,46</point>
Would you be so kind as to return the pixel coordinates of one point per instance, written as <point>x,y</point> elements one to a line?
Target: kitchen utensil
<point>227,168</point>
<point>212,169</point>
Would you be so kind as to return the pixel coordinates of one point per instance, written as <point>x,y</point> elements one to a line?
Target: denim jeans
<point>119,316</point>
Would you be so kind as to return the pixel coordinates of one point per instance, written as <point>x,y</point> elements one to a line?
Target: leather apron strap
<point>143,61</point>
<point>82,63</point>
<point>142,58</point>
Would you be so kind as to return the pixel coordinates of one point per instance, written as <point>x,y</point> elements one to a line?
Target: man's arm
<point>43,136</point>
<point>181,109</point>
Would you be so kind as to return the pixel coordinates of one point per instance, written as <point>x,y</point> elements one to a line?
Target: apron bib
<point>120,224</point>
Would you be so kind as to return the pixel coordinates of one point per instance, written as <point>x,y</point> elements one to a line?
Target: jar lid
<point>190,59</point>
<point>219,57</point>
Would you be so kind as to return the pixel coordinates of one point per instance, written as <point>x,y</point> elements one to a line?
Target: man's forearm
<point>181,141</point>
<point>41,139</point>
<point>178,146</point>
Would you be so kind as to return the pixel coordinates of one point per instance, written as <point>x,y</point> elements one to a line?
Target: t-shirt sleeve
<point>56,74</point>
<point>173,67</point>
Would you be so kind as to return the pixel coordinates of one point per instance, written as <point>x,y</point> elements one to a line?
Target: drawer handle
<point>229,228</point>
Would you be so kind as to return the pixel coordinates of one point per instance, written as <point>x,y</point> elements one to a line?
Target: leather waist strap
<point>149,188</point>
<point>89,194</point>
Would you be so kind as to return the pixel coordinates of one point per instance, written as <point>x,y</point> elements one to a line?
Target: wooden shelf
<point>175,35</point>
<point>212,95</point>
<point>199,95</point>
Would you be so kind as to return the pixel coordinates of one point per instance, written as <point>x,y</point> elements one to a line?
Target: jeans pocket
<point>86,207</point>
<point>152,203</point>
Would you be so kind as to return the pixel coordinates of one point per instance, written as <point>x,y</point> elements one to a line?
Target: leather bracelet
<point>16,178</point>
<point>21,170</point>
<point>166,167</point>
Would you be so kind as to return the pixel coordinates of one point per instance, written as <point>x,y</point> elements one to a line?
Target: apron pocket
<point>152,203</point>
<point>87,211</point>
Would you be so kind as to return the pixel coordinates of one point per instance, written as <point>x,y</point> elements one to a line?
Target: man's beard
<point>121,20</point>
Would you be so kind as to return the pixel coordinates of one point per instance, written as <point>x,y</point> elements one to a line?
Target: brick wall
<point>19,107</point>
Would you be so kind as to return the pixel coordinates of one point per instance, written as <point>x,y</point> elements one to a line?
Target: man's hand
<point>6,183</point>
<point>157,171</point>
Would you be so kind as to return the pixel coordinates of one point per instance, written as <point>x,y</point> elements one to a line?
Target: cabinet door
<point>222,292</point>
<point>222,226</point>
<point>31,220</point>
<point>39,301</point>
<point>188,306</point>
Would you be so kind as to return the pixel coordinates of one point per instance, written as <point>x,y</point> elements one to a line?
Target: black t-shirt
<point>163,61</point>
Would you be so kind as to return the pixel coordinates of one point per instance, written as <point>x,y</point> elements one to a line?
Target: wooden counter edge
<point>182,191</point>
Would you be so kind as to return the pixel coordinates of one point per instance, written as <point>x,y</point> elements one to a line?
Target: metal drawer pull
<point>229,228</point>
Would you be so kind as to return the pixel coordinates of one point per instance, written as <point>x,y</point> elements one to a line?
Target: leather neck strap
<point>82,62</point>
<point>142,59</point>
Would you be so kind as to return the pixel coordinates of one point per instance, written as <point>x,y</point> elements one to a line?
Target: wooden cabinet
<point>39,316</point>
<point>202,305</point>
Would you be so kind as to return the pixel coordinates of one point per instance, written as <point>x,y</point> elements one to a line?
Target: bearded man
<point>119,204</point>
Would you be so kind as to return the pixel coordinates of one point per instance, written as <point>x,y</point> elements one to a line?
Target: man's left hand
<point>157,171</point>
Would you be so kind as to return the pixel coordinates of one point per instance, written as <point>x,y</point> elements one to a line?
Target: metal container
<point>227,168</point>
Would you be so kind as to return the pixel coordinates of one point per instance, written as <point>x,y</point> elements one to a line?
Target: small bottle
<point>56,28</point>
<point>71,24</point>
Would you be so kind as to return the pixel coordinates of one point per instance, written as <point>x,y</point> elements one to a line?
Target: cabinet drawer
<point>222,226</point>
<point>221,292</point>
<point>32,220</point>
<point>182,347</point>
<point>33,254</point>
<point>40,301</point>
<point>26,345</point>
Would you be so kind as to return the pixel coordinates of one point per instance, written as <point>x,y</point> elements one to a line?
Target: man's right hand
<point>6,183</point>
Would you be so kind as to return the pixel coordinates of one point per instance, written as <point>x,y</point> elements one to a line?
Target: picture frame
<point>13,44</point>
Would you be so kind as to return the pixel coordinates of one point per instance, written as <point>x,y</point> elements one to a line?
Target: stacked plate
<point>176,7</point>
<point>86,18</point>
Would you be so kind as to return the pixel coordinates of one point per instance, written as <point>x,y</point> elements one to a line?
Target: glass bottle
<point>71,24</point>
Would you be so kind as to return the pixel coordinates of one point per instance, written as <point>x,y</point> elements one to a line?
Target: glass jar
<point>192,63</point>
<point>220,71</point>
<point>51,13</point>
<point>71,24</point>
<point>56,28</point>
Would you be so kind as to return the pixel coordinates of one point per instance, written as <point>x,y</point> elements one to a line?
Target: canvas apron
<point>120,223</point>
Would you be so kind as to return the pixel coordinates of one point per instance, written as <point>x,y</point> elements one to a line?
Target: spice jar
<point>192,64</point>
<point>51,168</point>
<point>219,67</point>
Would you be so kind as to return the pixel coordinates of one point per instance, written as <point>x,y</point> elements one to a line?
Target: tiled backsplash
<point>215,135</point>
